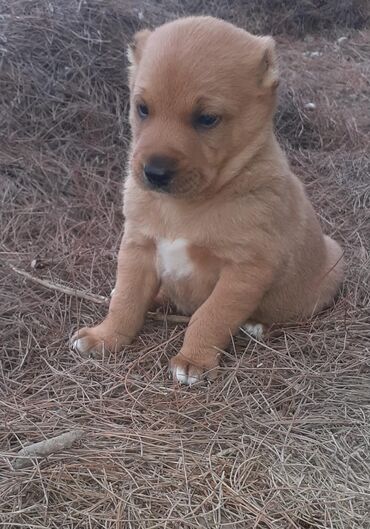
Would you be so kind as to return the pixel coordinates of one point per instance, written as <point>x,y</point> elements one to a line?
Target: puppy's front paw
<point>188,370</point>
<point>93,341</point>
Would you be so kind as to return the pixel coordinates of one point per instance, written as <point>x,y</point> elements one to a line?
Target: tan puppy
<point>215,220</point>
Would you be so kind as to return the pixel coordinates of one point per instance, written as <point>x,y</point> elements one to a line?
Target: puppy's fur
<point>232,238</point>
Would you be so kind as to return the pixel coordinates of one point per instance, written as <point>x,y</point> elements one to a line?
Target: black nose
<point>159,171</point>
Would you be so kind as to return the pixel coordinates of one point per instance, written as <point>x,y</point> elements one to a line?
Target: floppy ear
<point>268,68</point>
<point>137,46</point>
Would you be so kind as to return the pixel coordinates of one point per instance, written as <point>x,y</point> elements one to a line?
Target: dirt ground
<point>281,439</point>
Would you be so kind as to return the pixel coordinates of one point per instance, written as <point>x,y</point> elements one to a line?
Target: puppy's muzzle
<point>159,171</point>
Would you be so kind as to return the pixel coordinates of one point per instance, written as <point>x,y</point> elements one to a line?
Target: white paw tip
<point>112,292</point>
<point>254,330</point>
<point>78,345</point>
<point>180,375</point>
<point>192,380</point>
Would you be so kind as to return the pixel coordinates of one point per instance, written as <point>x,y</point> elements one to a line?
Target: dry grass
<point>281,439</point>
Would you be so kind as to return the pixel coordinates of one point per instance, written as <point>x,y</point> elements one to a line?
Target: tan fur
<point>255,244</point>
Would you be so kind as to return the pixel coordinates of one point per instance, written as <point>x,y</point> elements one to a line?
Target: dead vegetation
<point>281,440</point>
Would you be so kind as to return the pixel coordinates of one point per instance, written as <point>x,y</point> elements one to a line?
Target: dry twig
<point>101,300</point>
<point>45,448</point>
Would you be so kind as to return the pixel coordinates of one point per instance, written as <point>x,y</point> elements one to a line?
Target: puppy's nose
<point>159,171</point>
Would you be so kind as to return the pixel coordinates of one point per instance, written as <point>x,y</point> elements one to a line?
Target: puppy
<point>215,220</point>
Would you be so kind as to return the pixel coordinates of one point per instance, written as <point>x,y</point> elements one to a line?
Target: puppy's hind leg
<point>256,330</point>
<point>160,301</point>
<point>333,274</point>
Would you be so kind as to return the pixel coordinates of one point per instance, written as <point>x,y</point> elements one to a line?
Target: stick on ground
<point>100,300</point>
<point>45,448</point>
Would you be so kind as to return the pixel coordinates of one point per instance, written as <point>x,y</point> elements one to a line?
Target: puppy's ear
<point>268,69</point>
<point>135,49</point>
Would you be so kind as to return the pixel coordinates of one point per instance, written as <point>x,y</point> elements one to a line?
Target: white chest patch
<point>173,258</point>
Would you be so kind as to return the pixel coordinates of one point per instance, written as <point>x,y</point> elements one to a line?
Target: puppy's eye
<point>142,110</point>
<point>206,121</point>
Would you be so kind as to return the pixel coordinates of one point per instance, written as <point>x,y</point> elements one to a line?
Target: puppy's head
<point>202,100</point>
